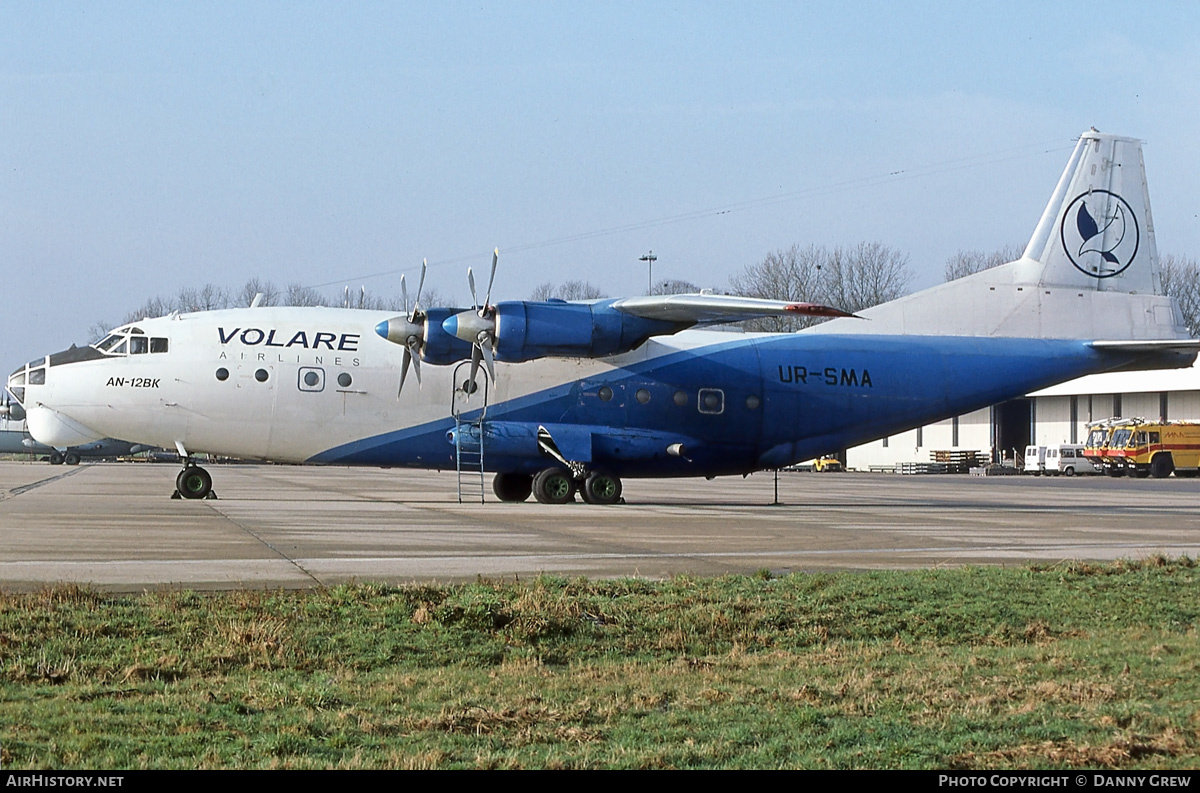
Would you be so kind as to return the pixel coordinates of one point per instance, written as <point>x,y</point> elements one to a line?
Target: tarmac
<point>114,526</point>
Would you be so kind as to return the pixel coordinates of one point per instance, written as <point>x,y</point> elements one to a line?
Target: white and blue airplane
<point>559,397</point>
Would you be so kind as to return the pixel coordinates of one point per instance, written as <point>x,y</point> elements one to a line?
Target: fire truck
<point>1156,448</point>
<point>1098,448</point>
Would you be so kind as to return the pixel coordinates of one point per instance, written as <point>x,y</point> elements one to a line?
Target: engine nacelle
<point>526,330</point>
<point>440,347</point>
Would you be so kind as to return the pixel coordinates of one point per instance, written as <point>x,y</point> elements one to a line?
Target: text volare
<point>251,337</point>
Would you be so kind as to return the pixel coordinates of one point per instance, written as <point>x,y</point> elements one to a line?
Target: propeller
<point>408,330</point>
<point>478,326</point>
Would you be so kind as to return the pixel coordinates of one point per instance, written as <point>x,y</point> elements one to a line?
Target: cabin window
<point>37,376</point>
<point>344,379</point>
<point>261,375</point>
<point>158,344</point>
<point>642,396</point>
<point>680,398</point>
<point>711,401</point>
<point>222,374</point>
<point>311,378</point>
<point>752,402</point>
<point>139,345</point>
<point>605,393</point>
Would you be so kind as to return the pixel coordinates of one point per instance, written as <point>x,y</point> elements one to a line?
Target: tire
<point>601,488</point>
<point>553,486</point>
<point>193,482</point>
<point>1161,466</point>
<point>1068,471</point>
<point>512,487</point>
<point>56,458</point>
<point>71,458</point>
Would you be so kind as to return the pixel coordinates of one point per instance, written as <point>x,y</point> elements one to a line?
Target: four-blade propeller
<point>478,326</point>
<point>408,331</point>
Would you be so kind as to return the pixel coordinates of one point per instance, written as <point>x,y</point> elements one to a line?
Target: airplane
<point>557,398</point>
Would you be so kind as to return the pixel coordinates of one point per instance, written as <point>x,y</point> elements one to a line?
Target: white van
<point>1069,460</point>
<point>1035,460</point>
<point>1066,459</point>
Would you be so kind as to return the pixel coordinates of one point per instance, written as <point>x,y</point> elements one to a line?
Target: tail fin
<point>1096,232</point>
<point>1090,270</point>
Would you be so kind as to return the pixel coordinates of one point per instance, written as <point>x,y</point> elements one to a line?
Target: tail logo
<point>1100,233</point>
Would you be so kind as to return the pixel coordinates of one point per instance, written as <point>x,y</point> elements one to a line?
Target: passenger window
<point>1154,437</point>
<point>711,400</point>
<point>158,344</point>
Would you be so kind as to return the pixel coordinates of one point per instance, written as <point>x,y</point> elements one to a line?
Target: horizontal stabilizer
<point>1160,345</point>
<point>1153,354</point>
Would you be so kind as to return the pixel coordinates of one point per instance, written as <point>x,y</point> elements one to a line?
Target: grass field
<point>1068,666</point>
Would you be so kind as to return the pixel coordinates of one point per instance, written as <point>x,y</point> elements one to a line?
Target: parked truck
<point>1157,448</point>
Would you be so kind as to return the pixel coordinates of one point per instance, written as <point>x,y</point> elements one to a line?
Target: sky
<point>148,147</point>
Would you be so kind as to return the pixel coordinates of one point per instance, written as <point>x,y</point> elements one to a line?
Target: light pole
<point>649,259</point>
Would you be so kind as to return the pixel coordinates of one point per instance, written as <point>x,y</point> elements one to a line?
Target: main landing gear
<point>193,482</point>
<point>558,486</point>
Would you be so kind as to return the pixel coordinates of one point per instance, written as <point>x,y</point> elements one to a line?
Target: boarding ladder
<point>469,400</point>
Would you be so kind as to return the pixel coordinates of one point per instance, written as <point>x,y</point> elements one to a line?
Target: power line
<point>903,174</point>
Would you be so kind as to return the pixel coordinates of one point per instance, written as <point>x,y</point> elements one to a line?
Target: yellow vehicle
<point>1099,449</point>
<point>1157,448</point>
<point>827,465</point>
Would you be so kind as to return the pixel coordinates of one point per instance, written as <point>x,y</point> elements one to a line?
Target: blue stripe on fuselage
<point>816,393</point>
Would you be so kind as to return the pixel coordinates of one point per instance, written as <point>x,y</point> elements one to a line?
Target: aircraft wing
<point>708,309</point>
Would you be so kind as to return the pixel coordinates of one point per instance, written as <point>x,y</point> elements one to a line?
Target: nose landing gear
<point>193,482</point>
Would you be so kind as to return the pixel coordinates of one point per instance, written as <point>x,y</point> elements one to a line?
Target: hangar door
<point>1012,427</point>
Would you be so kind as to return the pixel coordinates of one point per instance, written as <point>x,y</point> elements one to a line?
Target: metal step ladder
<point>469,434</point>
<point>468,456</point>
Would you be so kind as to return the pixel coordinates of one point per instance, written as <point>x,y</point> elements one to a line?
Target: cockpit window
<point>108,342</point>
<point>131,341</point>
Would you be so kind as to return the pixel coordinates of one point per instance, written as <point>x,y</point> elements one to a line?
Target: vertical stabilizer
<point>1097,232</point>
<point>1090,270</point>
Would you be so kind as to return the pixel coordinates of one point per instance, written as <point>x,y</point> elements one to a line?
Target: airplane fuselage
<point>316,385</point>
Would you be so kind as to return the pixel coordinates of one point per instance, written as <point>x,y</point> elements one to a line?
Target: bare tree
<point>253,287</point>
<point>154,307</point>
<point>571,290</point>
<point>866,275</point>
<point>849,278</point>
<point>966,263</point>
<point>1181,280</point>
<point>206,298</point>
<point>791,274</point>
<point>300,295</point>
<point>674,286</point>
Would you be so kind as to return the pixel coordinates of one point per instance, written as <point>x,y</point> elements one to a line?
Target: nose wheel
<point>194,482</point>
